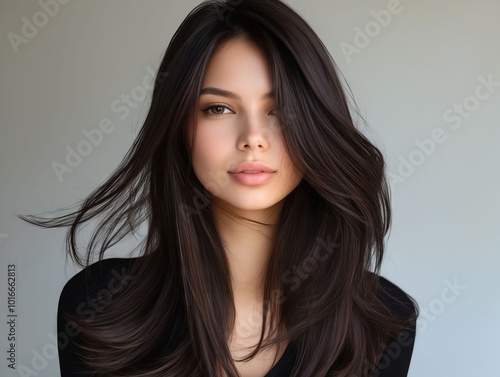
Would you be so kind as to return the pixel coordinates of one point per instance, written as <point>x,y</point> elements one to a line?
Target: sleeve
<point>395,360</point>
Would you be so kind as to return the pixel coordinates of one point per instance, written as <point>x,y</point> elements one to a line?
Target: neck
<point>248,247</point>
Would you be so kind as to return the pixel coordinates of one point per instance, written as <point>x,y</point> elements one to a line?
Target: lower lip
<point>252,179</point>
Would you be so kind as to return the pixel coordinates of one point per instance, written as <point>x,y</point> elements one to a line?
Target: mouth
<point>254,167</point>
<point>252,177</point>
<point>250,172</point>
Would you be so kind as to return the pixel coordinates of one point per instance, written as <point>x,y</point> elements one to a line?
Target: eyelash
<point>206,110</point>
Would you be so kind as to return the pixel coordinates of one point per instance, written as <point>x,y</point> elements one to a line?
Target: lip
<point>252,166</point>
<point>252,179</point>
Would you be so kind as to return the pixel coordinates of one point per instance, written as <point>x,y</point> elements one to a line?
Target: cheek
<point>209,143</point>
<point>212,152</point>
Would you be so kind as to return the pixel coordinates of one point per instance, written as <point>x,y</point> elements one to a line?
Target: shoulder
<point>396,357</point>
<point>398,301</point>
<point>85,294</point>
<point>97,278</point>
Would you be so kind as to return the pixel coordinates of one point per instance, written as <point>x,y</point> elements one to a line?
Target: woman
<point>266,212</point>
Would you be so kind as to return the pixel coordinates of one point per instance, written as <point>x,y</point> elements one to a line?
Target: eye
<point>218,107</point>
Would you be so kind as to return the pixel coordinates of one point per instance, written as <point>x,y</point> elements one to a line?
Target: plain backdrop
<point>425,74</point>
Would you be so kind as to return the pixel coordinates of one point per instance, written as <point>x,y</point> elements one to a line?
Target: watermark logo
<point>94,137</point>
<point>454,115</point>
<point>31,27</point>
<point>363,37</point>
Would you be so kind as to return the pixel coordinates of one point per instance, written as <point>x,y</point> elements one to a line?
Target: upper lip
<point>255,166</point>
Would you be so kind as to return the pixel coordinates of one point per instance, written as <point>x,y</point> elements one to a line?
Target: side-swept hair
<point>332,225</point>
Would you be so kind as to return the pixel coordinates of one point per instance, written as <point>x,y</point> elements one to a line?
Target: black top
<point>394,362</point>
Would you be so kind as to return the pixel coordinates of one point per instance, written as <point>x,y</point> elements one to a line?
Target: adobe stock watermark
<point>295,276</point>
<point>436,307</point>
<point>363,37</point>
<point>390,352</point>
<point>94,137</point>
<point>11,316</point>
<point>88,308</point>
<point>31,26</point>
<point>455,116</point>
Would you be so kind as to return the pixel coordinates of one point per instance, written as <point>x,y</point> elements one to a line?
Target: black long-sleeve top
<point>395,361</point>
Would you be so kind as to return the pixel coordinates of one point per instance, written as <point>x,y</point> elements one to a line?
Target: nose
<point>256,132</point>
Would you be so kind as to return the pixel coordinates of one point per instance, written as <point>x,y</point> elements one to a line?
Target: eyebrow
<point>228,94</point>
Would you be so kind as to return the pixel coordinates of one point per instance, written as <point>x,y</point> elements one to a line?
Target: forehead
<point>238,63</point>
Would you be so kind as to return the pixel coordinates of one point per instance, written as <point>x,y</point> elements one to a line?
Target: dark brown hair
<point>332,225</point>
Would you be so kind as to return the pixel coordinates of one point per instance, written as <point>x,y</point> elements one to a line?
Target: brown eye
<point>217,108</point>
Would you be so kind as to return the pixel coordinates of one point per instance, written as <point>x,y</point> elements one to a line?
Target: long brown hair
<point>321,283</point>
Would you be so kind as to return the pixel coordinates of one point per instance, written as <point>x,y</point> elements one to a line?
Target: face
<point>240,127</point>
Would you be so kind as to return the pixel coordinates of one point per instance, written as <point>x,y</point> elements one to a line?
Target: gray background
<point>429,56</point>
